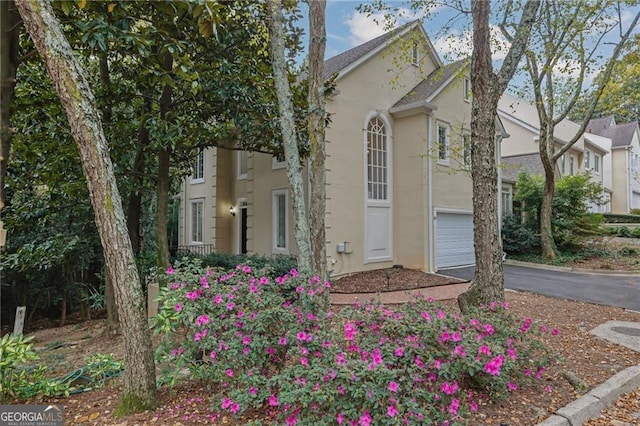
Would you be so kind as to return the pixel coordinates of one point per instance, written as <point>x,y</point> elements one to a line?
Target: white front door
<point>378,219</point>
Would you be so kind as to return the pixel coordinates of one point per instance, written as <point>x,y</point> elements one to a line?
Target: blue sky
<point>346,28</point>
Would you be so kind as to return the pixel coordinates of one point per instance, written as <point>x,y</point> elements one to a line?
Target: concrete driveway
<point>611,290</point>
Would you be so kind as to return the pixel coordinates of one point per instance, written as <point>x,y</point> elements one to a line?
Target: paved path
<point>611,290</point>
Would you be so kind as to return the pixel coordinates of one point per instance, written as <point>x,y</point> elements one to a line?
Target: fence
<point>197,249</point>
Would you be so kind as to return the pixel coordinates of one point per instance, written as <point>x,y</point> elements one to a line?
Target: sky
<point>447,29</point>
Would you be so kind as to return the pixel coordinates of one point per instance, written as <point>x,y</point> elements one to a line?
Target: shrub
<point>289,358</point>
<point>635,212</point>
<point>620,218</point>
<point>517,237</point>
<point>18,380</point>
<point>272,266</point>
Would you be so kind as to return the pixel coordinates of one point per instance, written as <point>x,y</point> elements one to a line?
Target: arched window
<point>377,167</point>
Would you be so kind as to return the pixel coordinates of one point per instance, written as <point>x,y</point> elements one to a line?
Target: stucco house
<point>624,161</point>
<point>521,151</point>
<point>397,169</point>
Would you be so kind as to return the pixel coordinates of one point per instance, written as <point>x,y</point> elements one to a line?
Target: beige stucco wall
<point>520,141</point>
<point>369,89</point>
<point>619,188</point>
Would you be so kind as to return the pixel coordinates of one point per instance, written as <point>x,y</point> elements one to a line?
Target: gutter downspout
<point>429,207</point>
<point>628,158</point>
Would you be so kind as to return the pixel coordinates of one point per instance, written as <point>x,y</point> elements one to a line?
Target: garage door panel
<point>454,240</point>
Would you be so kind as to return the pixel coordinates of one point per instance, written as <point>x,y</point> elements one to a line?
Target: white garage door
<point>454,240</point>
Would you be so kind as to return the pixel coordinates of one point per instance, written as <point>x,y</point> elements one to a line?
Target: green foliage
<point>271,266</point>
<point>518,237</point>
<point>18,378</point>
<point>620,218</point>
<point>102,367</point>
<point>635,212</point>
<point>571,220</point>
<point>285,356</point>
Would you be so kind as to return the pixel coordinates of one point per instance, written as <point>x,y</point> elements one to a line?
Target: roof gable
<point>428,88</point>
<point>621,135</point>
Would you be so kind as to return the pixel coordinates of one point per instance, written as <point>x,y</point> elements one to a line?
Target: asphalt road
<point>611,290</point>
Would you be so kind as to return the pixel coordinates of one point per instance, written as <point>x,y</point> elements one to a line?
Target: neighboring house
<point>521,151</point>
<point>398,187</point>
<point>624,161</point>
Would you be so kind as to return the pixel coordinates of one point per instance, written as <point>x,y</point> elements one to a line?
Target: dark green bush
<point>621,218</point>
<point>635,212</point>
<point>273,266</point>
<point>628,251</point>
<point>517,237</point>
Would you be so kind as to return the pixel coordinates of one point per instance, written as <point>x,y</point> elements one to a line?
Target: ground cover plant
<point>263,347</point>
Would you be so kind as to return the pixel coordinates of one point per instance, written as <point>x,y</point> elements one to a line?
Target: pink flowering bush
<point>281,353</point>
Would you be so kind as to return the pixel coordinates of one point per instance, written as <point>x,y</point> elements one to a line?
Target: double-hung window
<point>280,231</point>
<point>197,175</point>
<point>197,221</point>
<point>443,144</point>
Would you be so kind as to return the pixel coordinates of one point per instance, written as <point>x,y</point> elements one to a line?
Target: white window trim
<point>507,209</point>
<point>587,159</point>
<point>276,165</point>
<point>572,165</point>
<point>466,88</point>
<point>447,144</point>
<point>563,166</point>
<point>597,163</point>
<point>193,202</point>
<point>241,176</point>
<point>274,221</point>
<point>195,180</point>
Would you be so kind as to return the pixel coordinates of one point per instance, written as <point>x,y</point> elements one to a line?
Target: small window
<point>280,214</point>
<point>507,201</point>
<point>443,144</point>
<point>197,221</point>
<point>596,163</point>
<point>466,149</point>
<point>415,54</point>
<point>562,165</point>
<point>197,175</point>
<point>587,159</point>
<point>572,160</point>
<point>242,164</point>
<point>467,89</point>
<point>278,162</point>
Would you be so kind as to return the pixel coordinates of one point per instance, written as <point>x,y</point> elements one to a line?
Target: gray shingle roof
<point>621,135</point>
<point>430,85</point>
<point>515,164</point>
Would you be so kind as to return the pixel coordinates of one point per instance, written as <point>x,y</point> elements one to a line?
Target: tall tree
<point>568,40</point>
<point>316,127</point>
<point>487,87</point>
<point>84,119</point>
<point>289,138</point>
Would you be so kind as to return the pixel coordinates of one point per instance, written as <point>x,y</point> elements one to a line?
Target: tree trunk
<point>112,326</point>
<point>547,244</point>
<point>487,87</point>
<point>9,45</point>
<point>139,390</point>
<point>287,124</point>
<point>317,42</point>
<point>164,155</point>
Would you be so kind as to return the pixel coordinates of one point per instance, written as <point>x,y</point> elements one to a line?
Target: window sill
<point>196,181</point>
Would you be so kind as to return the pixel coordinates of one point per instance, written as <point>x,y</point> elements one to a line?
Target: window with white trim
<point>443,144</point>
<point>197,221</point>
<point>415,55</point>
<point>507,201</point>
<point>466,86</point>
<point>242,164</point>
<point>562,166</point>
<point>280,215</point>
<point>466,149</point>
<point>596,164</point>
<point>197,175</point>
<point>278,162</point>
<point>377,167</point>
<point>587,159</point>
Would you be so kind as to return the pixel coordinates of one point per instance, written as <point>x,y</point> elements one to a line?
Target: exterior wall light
<point>232,211</point>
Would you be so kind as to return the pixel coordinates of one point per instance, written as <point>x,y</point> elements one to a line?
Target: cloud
<point>363,28</point>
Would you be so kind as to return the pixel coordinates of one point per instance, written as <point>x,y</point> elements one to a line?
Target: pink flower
<point>449,388</point>
<point>393,387</point>
<point>425,315</point>
<point>229,372</point>
<point>459,350</point>
<point>365,419</point>
<point>349,330</point>
<point>493,367</point>
<point>341,359</point>
<point>226,403</point>
<point>202,320</point>
<point>246,269</point>
<point>453,408</point>
<point>376,356</point>
<point>273,401</point>
<point>539,373</point>
<point>294,272</point>
<point>170,270</point>
<point>484,350</point>
<point>444,337</point>
<point>246,340</point>
<point>304,361</point>
<point>192,295</point>
<point>399,351</point>
<point>213,355</point>
<point>555,332</point>
<point>512,386</point>
<point>217,299</point>
<point>178,307</point>
<point>489,329</point>
<point>282,341</point>
<point>392,411</point>
<point>203,282</point>
<point>418,362</point>
<point>526,325</point>
<point>253,390</point>
<point>292,420</point>
<point>456,337</point>
<point>230,305</point>
<point>340,418</point>
<point>512,353</point>
<point>235,407</point>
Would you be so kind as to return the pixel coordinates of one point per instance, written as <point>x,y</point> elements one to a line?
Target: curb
<point>593,402</point>
<point>571,269</point>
